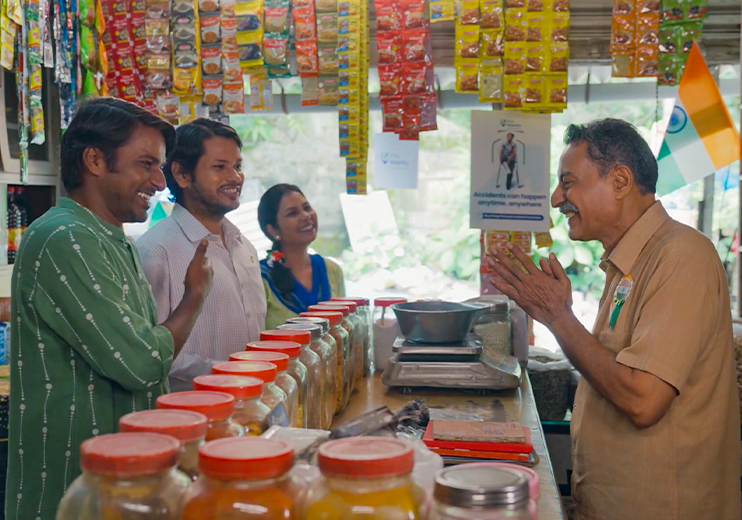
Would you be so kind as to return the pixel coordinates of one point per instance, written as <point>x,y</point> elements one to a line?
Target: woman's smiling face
<point>297,220</point>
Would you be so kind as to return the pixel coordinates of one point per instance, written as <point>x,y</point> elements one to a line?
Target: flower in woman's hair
<point>275,256</point>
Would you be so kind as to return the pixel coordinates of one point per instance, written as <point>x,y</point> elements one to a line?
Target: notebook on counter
<point>525,446</point>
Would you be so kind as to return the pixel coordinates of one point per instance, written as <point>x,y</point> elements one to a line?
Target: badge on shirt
<point>619,298</point>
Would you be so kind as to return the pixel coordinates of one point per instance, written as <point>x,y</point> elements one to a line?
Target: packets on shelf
<point>533,91</point>
<point>327,28</point>
<point>441,10</point>
<point>535,58</point>
<point>515,25</point>
<point>326,6</point>
<point>309,90</point>
<point>389,47</point>
<point>559,27</point>
<point>558,57</point>
<point>415,80</point>
<point>212,86</point>
<point>467,76</point>
<point>355,178</point>
<point>388,16</point>
<point>490,82</point>
<point>515,58</point>
<point>306,57</point>
<point>392,110</point>
<point>327,59</point>
<point>536,27</point>
<point>512,92</point>
<point>328,90</point>
<point>413,14</point>
<point>467,42</point>
<point>349,8</point>
<point>493,43</point>
<point>556,91</point>
<point>491,14</point>
<point>468,12</point>
<point>276,17</point>
<point>389,79</point>
<point>261,91</point>
<point>417,47</point>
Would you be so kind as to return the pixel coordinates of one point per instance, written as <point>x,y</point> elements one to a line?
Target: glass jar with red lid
<point>350,324</point>
<point>249,410</point>
<point>342,342</point>
<point>365,478</point>
<point>326,389</point>
<point>361,343</point>
<point>386,330</point>
<point>124,473</point>
<point>364,314</point>
<point>218,408</point>
<point>273,396</point>
<point>185,425</point>
<point>245,479</point>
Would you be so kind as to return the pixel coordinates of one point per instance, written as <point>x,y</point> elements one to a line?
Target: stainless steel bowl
<point>436,321</point>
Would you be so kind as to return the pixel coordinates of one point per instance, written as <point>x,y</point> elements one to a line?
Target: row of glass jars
<point>134,476</point>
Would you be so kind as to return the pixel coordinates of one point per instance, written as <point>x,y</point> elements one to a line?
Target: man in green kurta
<point>86,347</point>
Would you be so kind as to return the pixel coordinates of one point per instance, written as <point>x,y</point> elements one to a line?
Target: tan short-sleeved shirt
<point>676,324</point>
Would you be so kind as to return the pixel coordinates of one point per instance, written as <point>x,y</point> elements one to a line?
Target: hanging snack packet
<point>558,57</point>
<point>275,50</point>
<point>348,43</point>
<point>533,91</point>
<point>304,24</point>
<point>309,91</point>
<point>559,27</point>
<point>467,77</point>
<point>696,9</point>
<point>670,69</point>
<point>535,57</point>
<point>328,59</point>
<point>392,110</point>
<point>515,4</point>
<point>326,6</point>
<point>467,41</point>
<point>416,46</point>
<point>647,31</point>
<point>211,59</point>
<point>233,98</point>
<point>276,17</point>
<point>687,34</point>
<point>668,42</point>
<point>306,57</point>
<point>490,82</point>
<point>413,14</point>
<point>441,10</point>
<point>515,26</point>
<point>428,113</point>
<point>493,43</point>
<point>389,49</point>
<point>491,14</point>
<point>211,28</point>
<point>536,27</point>
<point>208,6</point>
<point>387,16</point>
<point>556,89</point>
<point>389,78</point>
<point>86,10</point>
<point>468,11</point>
<point>649,7</point>
<point>647,61</point>
<point>623,35</point>
<point>88,48</point>
<point>328,90</point>
<point>623,64</point>
<point>410,127</point>
<point>515,57</point>
<point>212,86</point>
<point>231,67</point>
<point>327,28</point>
<point>251,51</point>
<point>349,79</point>
<point>227,8</point>
<point>535,6</point>
<point>168,106</point>
<point>512,92</point>
<point>349,8</point>
<point>229,34</point>
<point>415,80</point>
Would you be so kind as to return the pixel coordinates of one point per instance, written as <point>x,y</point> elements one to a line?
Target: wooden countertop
<point>510,405</point>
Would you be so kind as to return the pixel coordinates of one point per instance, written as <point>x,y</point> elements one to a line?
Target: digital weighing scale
<point>450,365</point>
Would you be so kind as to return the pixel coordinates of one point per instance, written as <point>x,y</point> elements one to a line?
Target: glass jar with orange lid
<point>326,389</point>
<point>245,479</point>
<point>273,396</point>
<point>364,315</point>
<point>218,408</point>
<point>350,324</point>
<point>127,475</point>
<point>249,410</point>
<point>342,342</point>
<point>185,425</point>
<point>359,330</point>
<point>365,478</point>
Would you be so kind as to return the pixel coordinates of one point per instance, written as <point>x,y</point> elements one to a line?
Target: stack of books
<point>459,442</point>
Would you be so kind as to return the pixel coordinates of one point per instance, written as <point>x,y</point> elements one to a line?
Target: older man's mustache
<point>568,207</point>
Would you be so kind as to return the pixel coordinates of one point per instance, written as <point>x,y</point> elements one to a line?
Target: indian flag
<point>700,137</point>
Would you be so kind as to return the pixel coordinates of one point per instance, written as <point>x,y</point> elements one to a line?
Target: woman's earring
<point>278,238</point>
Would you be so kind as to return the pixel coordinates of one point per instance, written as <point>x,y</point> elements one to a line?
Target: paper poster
<point>395,162</point>
<point>510,171</point>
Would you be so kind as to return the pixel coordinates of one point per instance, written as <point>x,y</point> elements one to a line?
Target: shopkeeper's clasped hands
<point>545,294</point>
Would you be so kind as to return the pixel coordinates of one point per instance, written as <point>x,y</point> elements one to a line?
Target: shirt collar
<point>631,245</point>
<point>195,231</point>
<point>92,219</point>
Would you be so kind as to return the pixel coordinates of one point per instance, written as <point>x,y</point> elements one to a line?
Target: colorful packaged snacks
<point>533,90</point>
<point>558,57</point>
<point>387,16</point>
<point>490,83</point>
<point>415,80</point>
<point>327,28</point>
<point>468,12</point>
<point>388,49</point>
<point>441,10</point>
<point>304,24</point>
<point>514,62</point>
<point>512,92</point>
<point>389,77</point>
<point>392,110</point>
<point>309,90</point>
<point>515,26</point>
<point>251,52</point>
<point>623,33</point>
<point>467,41</point>
<point>515,4</point>
<point>413,14</point>
<point>233,98</point>
<point>535,6</point>
<point>416,46</point>
<point>493,43</point>
<point>306,57</point>
<point>328,90</point>
<point>559,28</point>
<point>491,14</point>
<point>536,25</point>
<point>212,86</point>
<point>327,59</point>
<point>623,64</point>
<point>556,90</point>
<point>275,50</point>
<point>428,113</point>
<point>276,17</point>
<point>467,76</point>
<point>535,57</point>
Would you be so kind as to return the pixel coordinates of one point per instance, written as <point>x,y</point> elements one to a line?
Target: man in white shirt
<point>204,175</point>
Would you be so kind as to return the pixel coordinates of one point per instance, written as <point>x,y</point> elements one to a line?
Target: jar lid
<point>249,458</point>
<point>184,425</point>
<point>302,337</point>
<point>314,329</point>
<point>330,308</point>
<point>260,369</point>
<point>240,387</point>
<point>388,301</point>
<point>361,302</point>
<point>322,322</point>
<point>129,454</point>
<point>533,478</point>
<point>369,457</point>
<point>480,486</point>
<point>216,406</point>
<point>277,358</point>
<point>344,303</point>
<point>335,318</point>
<point>291,348</point>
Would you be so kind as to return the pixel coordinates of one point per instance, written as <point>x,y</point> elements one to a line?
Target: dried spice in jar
<point>218,408</point>
<point>249,410</point>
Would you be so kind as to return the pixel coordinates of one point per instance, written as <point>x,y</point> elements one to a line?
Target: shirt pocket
<point>615,341</point>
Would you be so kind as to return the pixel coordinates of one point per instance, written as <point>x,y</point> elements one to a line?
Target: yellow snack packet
<point>441,11</point>
<point>535,58</point>
<point>467,41</point>
<point>467,76</point>
<point>491,14</point>
<point>533,92</point>
<point>490,82</point>
<point>556,91</point>
<point>512,92</point>
<point>515,57</point>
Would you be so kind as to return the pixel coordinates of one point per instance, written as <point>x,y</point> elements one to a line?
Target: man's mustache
<point>568,207</point>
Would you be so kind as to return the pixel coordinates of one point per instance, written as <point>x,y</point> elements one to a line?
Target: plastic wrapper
<point>389,47</point>
<point>415,81</point>
<point>624,7</point>
<point>515,26</point>
<point>468,12</point>
<point>649,7</point>
<point>493,43</point>
<point>326,6</point>
<point>559,57</point>
<point>88,48</point>
<point>560,6</point>
<point>304,24</point>
<point>647,62</point>
<point>515,4</point>
<point>233,98</point>
<point>349,8</point>
<point>559,27</point>
<point>211,59</point>
<point>556,90</point>
<point>410,127</point>
<point>687,34</point>
<point>348,43</point>
<point>347,78</point>
<point>210,29</point>
<point>306,57</point>
<point>467,76</point>
<point>208,6</point>
<point>515,58</point>
<point>623,33</point>
<point>670,69</point>
<point>348,61</point>
<point>668,41</point>
<point>387,17</point>
<point>490,83</point>
<point>227,8</point>
<point>392,110</point>
<point>467,42</point>
<point>416,46</point>
<point>309,91</point>
<point>250,51</point>
<point>535,58</point>
<point>647,31</point>
<point>168,106</point>
<point>229,34</point>
<point>535,6</point>
<point>441,10</point>
<point>491,14</point>
<point>672,10</point>
<point>275,50</point>
<point>276,19</point>
<point>328,90</point>
<point>389,76</point>
<point>623,64</point>
<point>231,66</point>
<point>327,60</point>
<point>86,10</point>
<point>413,14</point>
<point>212,86</point>
<point>428,113</point>
<point>512,92</point>
<point>533,91</point>
<point>327,28</point>
<point>695,9</point>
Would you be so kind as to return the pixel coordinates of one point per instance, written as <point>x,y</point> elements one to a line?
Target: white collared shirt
<point>233,313</point>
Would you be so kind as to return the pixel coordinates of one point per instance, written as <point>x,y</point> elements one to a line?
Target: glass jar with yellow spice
<point>245,479</point>
<point>364,315</point>
<point>126,472</point>
<point>350,324</point>
<point>186,426</point>
<point>343,351</point>
<point>218,408</point>
<point>249,410</point>
<point>327,350</point>
<point>273,396</point>
<point>325,391</point>
<point>359,328</point>
<point>365,478</point>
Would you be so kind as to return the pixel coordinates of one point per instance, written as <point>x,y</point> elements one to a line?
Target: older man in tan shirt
<point>655,428</point>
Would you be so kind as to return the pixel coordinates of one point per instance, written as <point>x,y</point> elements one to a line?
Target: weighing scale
<point>452,365</point>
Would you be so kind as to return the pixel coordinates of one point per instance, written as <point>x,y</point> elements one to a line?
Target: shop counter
<point>503,406</point>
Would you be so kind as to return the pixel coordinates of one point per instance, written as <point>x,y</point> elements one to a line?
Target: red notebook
<point>484,455</point>
<point>510,447</point>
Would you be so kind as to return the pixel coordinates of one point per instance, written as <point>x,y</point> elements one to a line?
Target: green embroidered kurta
<point>85,350</point>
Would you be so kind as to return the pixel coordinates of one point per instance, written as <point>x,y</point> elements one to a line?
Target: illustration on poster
<point>508,159</point>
